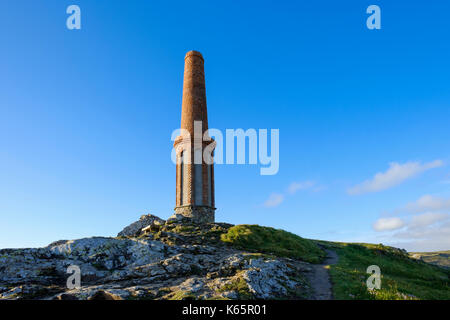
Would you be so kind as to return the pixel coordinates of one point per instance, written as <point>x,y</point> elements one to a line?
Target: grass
<point>239,285</point>
<point>182,295</point>
<point>273,241</point>
<point>401,276</point>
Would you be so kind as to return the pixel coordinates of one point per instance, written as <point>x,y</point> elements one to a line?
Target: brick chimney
<point>194,172</point>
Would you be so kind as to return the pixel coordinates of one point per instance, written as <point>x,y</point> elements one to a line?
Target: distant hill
<point>439,258</point>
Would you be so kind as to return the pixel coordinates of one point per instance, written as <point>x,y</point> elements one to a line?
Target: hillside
<point>439,258</point>
<point>175,259</point>
<point>402,277</point>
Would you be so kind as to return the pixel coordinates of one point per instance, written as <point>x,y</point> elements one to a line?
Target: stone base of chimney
<point>195,214</point>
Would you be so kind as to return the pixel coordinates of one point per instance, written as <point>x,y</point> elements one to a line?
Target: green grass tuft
<point>182,295</point>
<point>240,286</point>
<point>273,241</point>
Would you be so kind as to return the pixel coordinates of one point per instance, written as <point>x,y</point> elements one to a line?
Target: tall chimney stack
<point>194,93</point>
<point>194,175</point>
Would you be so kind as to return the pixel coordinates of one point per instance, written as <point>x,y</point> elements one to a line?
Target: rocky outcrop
<point>165,261</point>
<point>134,229</point>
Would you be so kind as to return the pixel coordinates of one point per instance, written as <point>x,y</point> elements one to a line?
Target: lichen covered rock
<point>171,261</point>
<point>135,229</point>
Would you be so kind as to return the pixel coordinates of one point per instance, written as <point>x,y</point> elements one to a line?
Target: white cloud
<point>426,225</point>
<point>275,199</point>
<point>425,233</point>
<point>428,203</point>
<point>396,174</point>
<point>427,219</point>
<point>431,238</point>
<point>296,186</point>
<point>387,224</point>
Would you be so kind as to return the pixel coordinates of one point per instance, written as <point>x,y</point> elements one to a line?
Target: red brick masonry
<point>200,209</point>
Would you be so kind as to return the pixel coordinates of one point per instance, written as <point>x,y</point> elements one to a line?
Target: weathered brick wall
<point>193,109</point>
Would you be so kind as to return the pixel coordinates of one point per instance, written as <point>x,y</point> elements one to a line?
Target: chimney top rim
<point>194,53</point>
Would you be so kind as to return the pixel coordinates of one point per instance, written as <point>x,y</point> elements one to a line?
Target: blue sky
<point>86,116</point>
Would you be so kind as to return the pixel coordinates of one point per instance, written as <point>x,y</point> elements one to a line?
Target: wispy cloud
<point>418,221</point>
<point>296,186</point>
<point>424,225</point>
<point>427,219</point>
<point>275,199</point>
<point>433,237</point>
<point>395,175</point>
<point>428,203</point>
